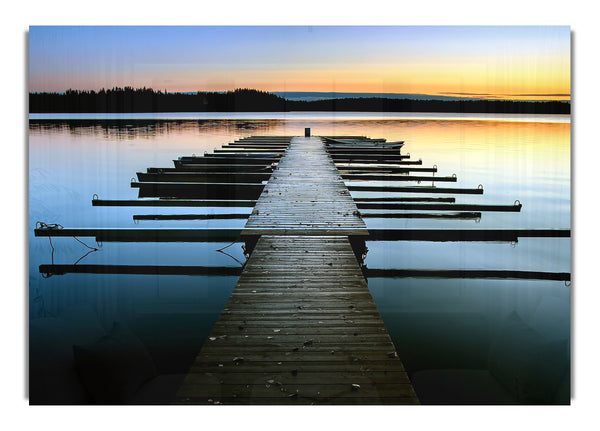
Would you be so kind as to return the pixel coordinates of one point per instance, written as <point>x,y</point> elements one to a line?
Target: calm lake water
<point>507,327</point>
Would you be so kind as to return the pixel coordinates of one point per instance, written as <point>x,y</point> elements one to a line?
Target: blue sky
<point>532,60</point>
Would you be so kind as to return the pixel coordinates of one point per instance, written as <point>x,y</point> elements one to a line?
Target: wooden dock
<point>305,195</point>
<point>301,326</point>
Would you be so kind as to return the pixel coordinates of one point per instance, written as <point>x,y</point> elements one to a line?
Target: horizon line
<point>458,95</point>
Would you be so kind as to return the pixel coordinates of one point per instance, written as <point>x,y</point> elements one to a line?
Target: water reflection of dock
<point>301,325</point>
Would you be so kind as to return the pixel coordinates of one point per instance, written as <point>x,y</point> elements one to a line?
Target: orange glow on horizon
<point>524,82</point>
<point>459,80</point>
<point>507,62</point>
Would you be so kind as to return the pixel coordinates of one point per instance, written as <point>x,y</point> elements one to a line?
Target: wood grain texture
<point>305,195</point>
<point>300,327</point>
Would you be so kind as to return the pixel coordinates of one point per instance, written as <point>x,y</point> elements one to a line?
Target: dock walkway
<point>305,195</point>
<point>301,326</point>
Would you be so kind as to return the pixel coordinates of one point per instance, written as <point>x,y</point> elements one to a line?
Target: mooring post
<point>307,132</point>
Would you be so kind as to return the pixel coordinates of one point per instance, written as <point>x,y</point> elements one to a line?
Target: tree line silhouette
<point>129,100</point>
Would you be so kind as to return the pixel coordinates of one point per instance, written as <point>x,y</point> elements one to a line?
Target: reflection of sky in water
<point>513,160</point>
<point>528,254</point>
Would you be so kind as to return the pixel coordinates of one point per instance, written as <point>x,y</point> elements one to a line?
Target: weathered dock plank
<point>305,195</point>
<point>204,177</point>
<point>438,207</point>
<point>241,203</point>
<point>224,159</point>
<point>407,215</point>
<point>466,273</point>
<point>145,235</point>
<point>140,270</point>
<point>216,191</point>
<point>227,216</point>
<point>299,328</point>
<point>228,168</point>
<point>222,235</point>
<point>417,189</point>
<point>395,177</point>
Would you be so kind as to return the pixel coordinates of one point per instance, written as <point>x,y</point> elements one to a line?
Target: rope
<point>56,226</point>
<point>227,254</point>
<point>221,249</point>
<point>85,255</point>
<point>51,254</point>
<point>91,248</point>
<point>50,226</point>
<point>42,225</point>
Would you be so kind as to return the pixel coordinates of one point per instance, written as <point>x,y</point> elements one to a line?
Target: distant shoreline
<point>129,100</point>
<point>147,119</point>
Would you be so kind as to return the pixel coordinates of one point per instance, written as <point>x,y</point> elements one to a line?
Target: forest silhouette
<point>130,100</point>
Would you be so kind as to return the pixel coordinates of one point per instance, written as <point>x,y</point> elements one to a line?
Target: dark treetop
<point>129,100</point>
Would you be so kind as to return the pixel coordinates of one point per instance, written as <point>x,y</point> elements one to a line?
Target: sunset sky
<point>497,62</point>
